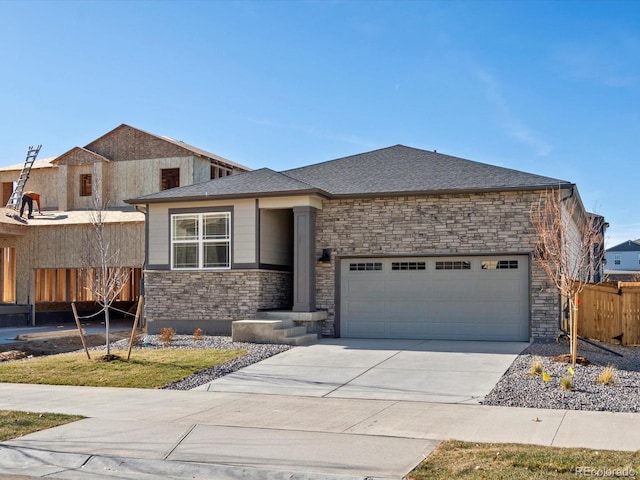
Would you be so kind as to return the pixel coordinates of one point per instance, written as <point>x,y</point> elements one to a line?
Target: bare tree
<point>104,276</point>
<point>569,248</point>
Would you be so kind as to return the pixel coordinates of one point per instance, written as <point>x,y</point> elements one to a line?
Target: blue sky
<point>548,87</point>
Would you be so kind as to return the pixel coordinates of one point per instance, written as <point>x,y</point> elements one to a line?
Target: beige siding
<point>290,202</point>
<point>276,237</point>
<point>244,224</point>
<point>158,241</point>
<point>244,231</point>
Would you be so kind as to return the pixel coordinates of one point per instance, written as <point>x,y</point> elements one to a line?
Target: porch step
<point>312,321</point>
<point>271,331</point>
<point>299,340</point>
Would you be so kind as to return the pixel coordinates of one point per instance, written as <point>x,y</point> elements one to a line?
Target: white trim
<point>199,240</point>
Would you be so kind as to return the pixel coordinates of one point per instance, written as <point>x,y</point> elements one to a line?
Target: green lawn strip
<point>145,369</point>
<point>16,424</point>
<point>476,461</point>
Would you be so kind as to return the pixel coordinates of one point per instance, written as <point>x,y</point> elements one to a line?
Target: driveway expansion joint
<point>180,440</point>
<point>555,434</point>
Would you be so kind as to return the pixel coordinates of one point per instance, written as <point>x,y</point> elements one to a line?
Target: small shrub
<point>566,383</point>
<point>607,376</point>
<point>197,334</point>
<point>167,335</point>
<point>536,368</point>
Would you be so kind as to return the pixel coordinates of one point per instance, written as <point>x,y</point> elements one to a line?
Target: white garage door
<point>456,298</point>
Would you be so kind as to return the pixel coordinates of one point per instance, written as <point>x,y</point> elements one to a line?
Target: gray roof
<point>391,170</point>
<point>628,246</point>
<point>406,169</point>
<point>256,182</point>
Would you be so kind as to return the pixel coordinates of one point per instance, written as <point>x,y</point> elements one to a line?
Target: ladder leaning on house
<point>16,196</point>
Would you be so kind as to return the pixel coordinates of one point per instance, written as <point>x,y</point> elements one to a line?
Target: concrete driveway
<point>410,370</point>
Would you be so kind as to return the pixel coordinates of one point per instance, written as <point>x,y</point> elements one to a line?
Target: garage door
<point>456,298</point>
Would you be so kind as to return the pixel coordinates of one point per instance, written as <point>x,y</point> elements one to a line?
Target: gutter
<point>227,196</point>
<point>329,195</point>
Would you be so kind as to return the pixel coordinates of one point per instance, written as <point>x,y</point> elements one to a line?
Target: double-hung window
<point>201,240</point>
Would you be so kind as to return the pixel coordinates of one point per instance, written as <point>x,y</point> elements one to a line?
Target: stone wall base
<point>184,326</point>
<point>211,300</point>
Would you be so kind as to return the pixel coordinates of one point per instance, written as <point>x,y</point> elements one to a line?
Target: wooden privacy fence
<point>609,310</point>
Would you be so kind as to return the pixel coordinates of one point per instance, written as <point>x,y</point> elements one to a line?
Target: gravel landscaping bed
<point>256,353</point>
<point>518,388</point>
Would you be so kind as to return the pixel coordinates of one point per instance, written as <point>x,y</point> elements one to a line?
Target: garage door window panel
<point>365,267</point>
<point>397,266</point>
<point>453,265</point>
<point>499,264</point>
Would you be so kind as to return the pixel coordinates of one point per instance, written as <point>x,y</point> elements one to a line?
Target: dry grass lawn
<point>145,369</point>
<point>486,461</point>
<point>16,424</point>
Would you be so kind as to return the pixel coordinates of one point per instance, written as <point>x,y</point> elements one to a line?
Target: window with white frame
<point>617,258</point>
<point>201,240</point>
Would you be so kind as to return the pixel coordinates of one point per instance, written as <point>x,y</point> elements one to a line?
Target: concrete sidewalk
<point>139,434</point>
<point>10,334</point>
<point>342,409</point>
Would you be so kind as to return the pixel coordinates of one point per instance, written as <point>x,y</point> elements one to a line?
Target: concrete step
<point>271,331</point>
<point>299,340</point>
<point>290,331</point>
<point>256,331</point>
<point>313,321</point>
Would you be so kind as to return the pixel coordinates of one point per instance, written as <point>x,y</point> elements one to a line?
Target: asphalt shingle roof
<point>397,169</point>
<point>628,246</point>
<point>262,181</point>
<point>406,169</point>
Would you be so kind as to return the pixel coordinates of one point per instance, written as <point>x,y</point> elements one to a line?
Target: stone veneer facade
<point>211,299</point>
<point>457,224</point>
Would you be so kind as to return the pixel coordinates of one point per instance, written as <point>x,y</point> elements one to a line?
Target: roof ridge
<point>191,148</point>
<point>347,157</point>
<point>188,146</point>
<point>56,161</point>
<point>299,181</point>
<point>626,243</point>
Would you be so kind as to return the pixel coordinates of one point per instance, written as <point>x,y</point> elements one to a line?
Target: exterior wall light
<point>326,255</point>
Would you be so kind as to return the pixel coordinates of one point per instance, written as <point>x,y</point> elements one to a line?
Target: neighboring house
<point>42,261</point>
<point>393,243</point>
<point>623,261</point>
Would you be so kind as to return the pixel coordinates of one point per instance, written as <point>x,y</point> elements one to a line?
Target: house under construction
<point>43,261</point>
